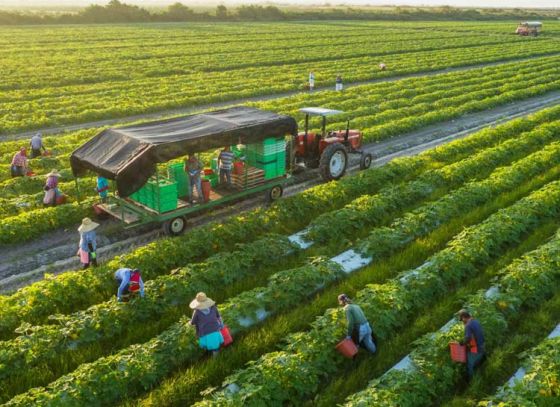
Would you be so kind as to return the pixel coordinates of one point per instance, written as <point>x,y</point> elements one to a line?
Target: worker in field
<point>207,321</point>
<point>87,249</point>
<point>382,66</point>
<point>37,145</point>
<point>338,85</point>
<point>20,166</point>
<point>53,195</point>
<point>129,282</point>
<point>193,168</point>
<point>225,164</point>
<point>358,328</point>
<point>311,80</point>
<point>102,188</point>
<point>474,340</point>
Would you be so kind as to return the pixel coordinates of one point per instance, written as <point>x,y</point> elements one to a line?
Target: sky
<point>458,3</point>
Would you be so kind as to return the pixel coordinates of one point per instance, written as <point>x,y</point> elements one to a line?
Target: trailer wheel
<point>175,226</point>
<point>274,193</point>
<point>365,161</point>
<point>333,162</point>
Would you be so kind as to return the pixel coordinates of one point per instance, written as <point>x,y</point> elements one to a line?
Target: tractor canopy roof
<point>129,155</point>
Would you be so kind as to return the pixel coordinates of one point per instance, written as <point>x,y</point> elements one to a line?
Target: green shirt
<point>355,317</point>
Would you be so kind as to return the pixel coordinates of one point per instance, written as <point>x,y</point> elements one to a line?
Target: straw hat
<point>87,225</point>
<point>53,173</point>
<point>201,302</point>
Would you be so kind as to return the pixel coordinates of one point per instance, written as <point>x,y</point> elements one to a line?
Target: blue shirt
<point>123,275</point>
<point>102,186</point>
<point>88,237</point>
<point>474,330</point>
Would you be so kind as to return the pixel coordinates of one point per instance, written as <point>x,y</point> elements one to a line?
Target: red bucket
<point>206,187</point>
<point>208,171</point>
<point>458,352</point>
<point>238,167</point>
<point>228,340</point>
<point>347,348</point>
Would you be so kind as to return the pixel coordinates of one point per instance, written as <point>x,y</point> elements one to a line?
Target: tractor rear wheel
<point>333,163</point>
<point>365,161</point>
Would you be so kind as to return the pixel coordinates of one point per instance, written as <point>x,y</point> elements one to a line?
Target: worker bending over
<point>474,339</point>
<point>129,282</point>
<point>358,326</point>
<point>36,145</point>
<point>19,167</point>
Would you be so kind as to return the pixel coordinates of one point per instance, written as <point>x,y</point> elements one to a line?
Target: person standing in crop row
<point>474,339</point>
<point>87,249</point>
<point>338,85</point>
<point>208,323</point>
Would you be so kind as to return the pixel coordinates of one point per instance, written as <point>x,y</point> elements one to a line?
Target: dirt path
<point>55,252</point>
<point>210,106</point>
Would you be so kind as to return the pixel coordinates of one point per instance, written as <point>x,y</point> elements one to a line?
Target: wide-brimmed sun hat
<point>87,225</point>
<point>53,173</point>
<point>201,302</point>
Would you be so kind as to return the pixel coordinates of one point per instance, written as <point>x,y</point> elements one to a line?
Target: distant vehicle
<point>527,28</point>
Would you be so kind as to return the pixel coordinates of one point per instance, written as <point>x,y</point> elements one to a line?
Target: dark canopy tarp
<point>129,155</point>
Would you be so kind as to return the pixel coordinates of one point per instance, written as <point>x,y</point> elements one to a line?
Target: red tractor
<point>329,151</point>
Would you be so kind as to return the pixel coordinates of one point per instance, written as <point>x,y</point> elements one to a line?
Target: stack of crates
<point>270,156</point>
<point>176,173</point>
<point>162,196</point>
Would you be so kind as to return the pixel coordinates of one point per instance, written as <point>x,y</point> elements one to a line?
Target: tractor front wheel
<point>274,193</point>
<point>333,163</point>
<point>365,161</point>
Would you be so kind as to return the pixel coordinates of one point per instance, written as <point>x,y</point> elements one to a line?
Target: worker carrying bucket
<point>470,349</point>
<point>358,329</point>
<point>210,329</point>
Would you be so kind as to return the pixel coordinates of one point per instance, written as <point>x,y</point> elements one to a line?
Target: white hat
<point>201,302</point>
<point>87,225</point>
<point>53,173</point>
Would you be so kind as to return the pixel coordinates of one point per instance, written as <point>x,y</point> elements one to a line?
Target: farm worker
<point>474,339</point>
<point>311,80</point>
<point>129,282</point>
<point>53,195</point>
<point>19,166</point>
<point>88,243</point>
<point>208,323</point>
<point>382,66</point>
<point>225,162</point>
<point>36,145</point>
<point>102,188</point>
<point>358,325</point>
<point>193,168</point>
<point>338,85</point>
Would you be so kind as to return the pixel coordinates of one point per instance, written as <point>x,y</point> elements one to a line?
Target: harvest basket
<point>347,348</point>
<point>458,352</point>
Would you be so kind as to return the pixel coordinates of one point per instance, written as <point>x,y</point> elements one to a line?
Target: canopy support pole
<point>77,189</point>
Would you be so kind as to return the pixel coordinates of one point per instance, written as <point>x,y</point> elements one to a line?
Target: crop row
<point>431,374</point>
<point>539,385</point>
<point>87,103</point>
<point>295,372</point>
<point>45,342</point>
<point>248,308</point>
<point>64,293</point>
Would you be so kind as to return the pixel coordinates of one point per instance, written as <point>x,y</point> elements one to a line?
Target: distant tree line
<point>118,12</point>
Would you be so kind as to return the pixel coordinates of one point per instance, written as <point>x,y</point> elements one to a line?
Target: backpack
<point>134,283</point>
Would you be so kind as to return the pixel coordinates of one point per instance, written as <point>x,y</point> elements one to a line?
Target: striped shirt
<point>226,160</point>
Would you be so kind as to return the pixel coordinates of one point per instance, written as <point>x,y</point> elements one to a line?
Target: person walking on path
<point>193,168</point>
<point>88,243</point>
<point>474,339</point>
<point>338,85</point>
<point>36,145</point>
<point>129,282</point>
<point>358,325</point>
<point>311,80</point>
<point>102,188</point>
<point>207,321</point>
<point>19,166</point>
<point>225,163</point>
<point>382,66</point>
<point>53,195</point>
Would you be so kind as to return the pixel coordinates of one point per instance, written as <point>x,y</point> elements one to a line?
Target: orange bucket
<point>347,348</point>
<point>206,187</point>
<point>458,352</point>
<point>228,340</point>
